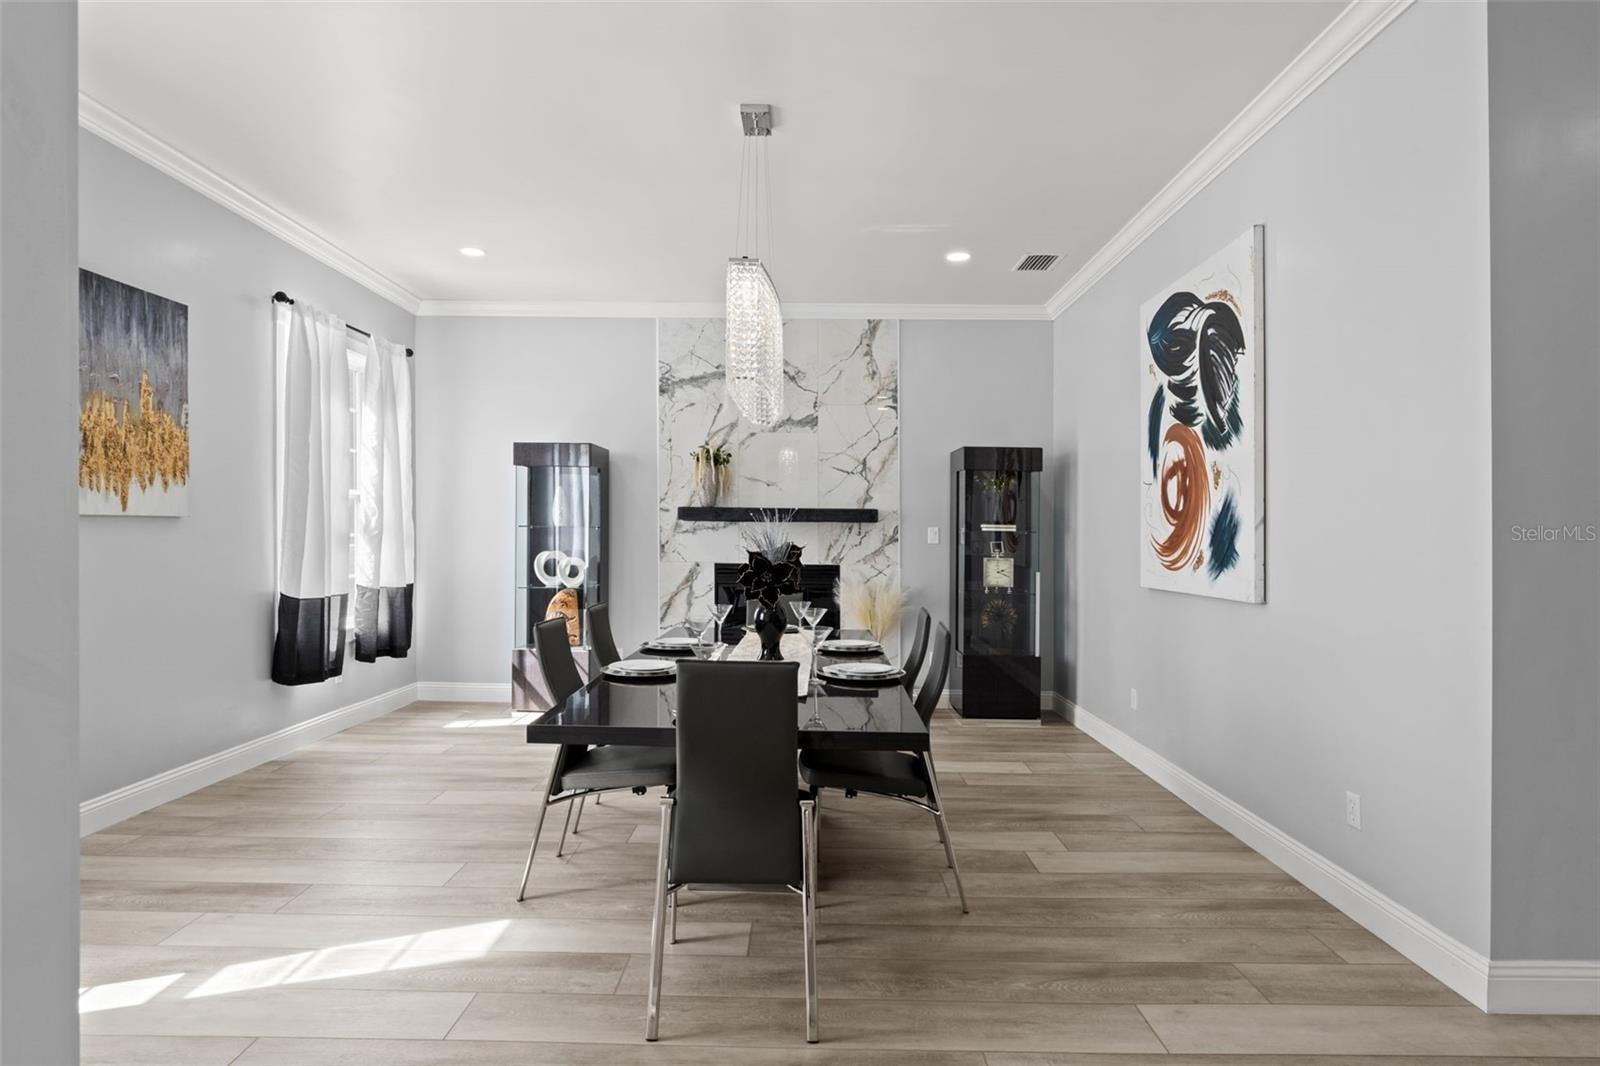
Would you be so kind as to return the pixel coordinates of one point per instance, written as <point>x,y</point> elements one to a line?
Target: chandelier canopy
<point>754,316</point>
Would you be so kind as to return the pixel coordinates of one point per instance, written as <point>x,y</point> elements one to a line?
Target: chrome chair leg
<point>562,843</point>
<point>578,817</point>
<point>943,840</point>
<point>944,827</point>
<point>672,917</point>
<point>808,913</point>
<point>538,826</point>
<point>658,925</point>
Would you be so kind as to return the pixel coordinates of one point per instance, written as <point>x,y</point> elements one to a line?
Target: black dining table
<point>841,716</point>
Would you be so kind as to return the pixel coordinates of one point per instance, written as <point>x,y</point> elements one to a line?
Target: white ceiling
<point>593,149</point>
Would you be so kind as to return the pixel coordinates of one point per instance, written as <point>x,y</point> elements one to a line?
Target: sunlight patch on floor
<point>498,722</point>
<point>118,994</point>
<point>461,943</point>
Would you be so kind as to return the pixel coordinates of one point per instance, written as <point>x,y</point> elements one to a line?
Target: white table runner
<point>794,647</point>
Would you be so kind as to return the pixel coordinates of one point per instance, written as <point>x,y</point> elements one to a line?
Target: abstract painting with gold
<point>133,400</point>
<point>1203,500</point>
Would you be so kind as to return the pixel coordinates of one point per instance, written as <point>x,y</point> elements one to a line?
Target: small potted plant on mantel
<point>713,474</point>
<point>771,572</point>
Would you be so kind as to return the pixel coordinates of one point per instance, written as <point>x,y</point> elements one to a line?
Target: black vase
<point>769,624</point>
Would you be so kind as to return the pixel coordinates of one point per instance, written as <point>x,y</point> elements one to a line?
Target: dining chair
<point>600,638</point>
<point>735,817</point>
<point>919,649</point>
<point>581,771</point>
<point>906,776</point>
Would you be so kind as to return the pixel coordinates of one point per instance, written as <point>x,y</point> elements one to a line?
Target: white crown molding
<point>110,126</point>
<point>123,803</point>
<point>1346,35</point>
<point>581,309</point>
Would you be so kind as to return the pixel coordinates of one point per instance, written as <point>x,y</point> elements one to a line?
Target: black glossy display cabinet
<point>561,536</point>
<point>995,593</point>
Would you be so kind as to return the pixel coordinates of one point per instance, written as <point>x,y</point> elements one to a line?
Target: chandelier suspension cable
<point>766,194</point>
<point>752,232</point>
<point>738,216</point>
<point>754,319</point>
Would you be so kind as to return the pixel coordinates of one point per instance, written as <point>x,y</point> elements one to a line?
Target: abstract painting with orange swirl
<point>1203,503</point>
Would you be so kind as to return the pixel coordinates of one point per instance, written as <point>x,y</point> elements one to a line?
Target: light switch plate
<point>933,534</point>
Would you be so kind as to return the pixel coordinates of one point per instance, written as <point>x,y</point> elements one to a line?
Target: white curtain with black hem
<point>385,541</point>
<point>314,479</point>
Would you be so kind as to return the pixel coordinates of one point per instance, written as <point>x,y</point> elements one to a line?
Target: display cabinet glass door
<point>997,596</point>
<point>999,539</point>
<point>559,543</point>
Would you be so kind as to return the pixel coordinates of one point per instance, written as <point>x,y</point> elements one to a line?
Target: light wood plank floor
<point>355,903</point>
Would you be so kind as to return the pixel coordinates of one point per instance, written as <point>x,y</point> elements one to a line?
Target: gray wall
<point>1368,667</point>
<point>38,552</point>
<point>176,636</point>
<point>964,383</point>
<point>491,381</point>
<point>1544,145</point>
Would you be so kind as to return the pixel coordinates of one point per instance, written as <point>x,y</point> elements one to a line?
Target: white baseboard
<point>1535,987</point>
<point>111,808</point>
<point>465,691</point>
<point>1452,962</point>
<point>1544,986</point>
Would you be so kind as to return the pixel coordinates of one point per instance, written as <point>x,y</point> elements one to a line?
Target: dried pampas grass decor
<point>873,603</point>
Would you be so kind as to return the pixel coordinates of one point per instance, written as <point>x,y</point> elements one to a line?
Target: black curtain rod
<point>281,297</point>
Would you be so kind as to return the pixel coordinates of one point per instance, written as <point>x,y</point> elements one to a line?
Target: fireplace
<point>816,584</point>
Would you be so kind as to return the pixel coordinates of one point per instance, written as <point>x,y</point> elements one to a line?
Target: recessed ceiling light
<point>957,257</point>
<point>472,253</point>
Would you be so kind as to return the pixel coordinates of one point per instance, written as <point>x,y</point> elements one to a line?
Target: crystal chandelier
<point>755,319</point>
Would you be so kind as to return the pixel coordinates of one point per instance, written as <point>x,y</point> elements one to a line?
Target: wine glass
<point>706,636</point>
<point>799,607</point>
<point>720,612</point>
<point>810,617</point>
<point>819,633</point>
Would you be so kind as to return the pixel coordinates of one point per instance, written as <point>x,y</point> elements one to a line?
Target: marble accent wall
<point>838,446</point>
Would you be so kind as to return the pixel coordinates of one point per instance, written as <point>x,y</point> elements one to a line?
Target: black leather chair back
<point>919,649</point>
<point>938,671</point>
<point>555,658</point>
<point>600,638</point>
<point>737,818</point>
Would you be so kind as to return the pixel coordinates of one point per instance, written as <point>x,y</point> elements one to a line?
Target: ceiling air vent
<point>1036,263</point>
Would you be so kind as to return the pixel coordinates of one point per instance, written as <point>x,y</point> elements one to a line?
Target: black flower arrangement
<point>773,567</point>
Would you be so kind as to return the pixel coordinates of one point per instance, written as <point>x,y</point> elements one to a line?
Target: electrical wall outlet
<point>1352,810</point>
<point>933,534</point>
<point>1133,699</point>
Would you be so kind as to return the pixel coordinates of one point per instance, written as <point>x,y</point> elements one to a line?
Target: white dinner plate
<point>641,668</point>
<point>861,671</point>
<point>673,642</point>
<point>850,644</point>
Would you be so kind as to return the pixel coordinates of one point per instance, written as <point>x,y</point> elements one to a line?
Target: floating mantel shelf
<point>800,514</point>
